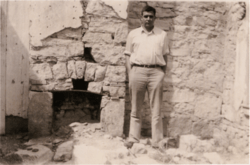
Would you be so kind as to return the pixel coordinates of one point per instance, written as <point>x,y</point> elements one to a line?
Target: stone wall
<point>106,36</point>
<point>91,52</point>
<point>198,86</point>
<point>56,49</point>
<point>233,131</point>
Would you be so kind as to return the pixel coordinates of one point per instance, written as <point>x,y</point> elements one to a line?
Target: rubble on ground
<point>81,143</point>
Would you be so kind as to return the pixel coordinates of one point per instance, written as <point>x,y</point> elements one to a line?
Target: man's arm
<point>164,68</point>
<point>128,66</point>
<point>127,53</point>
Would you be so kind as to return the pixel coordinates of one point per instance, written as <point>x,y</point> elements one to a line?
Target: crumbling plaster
<point>48,17</point>
<point>119,6</point>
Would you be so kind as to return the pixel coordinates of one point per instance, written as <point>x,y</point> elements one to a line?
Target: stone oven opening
<point>76,105</point>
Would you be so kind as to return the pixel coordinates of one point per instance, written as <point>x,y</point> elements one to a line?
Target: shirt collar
<point>151,32</point>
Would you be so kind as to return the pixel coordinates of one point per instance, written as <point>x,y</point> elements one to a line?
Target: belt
<point>147,66</point>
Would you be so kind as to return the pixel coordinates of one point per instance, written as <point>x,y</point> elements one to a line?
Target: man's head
<point>148,17</point>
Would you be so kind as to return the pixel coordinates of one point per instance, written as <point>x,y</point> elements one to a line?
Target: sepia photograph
<point>124,82</point>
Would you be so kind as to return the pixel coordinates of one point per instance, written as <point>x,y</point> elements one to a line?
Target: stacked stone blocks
<point>106,35</point>
<point>62,57</point>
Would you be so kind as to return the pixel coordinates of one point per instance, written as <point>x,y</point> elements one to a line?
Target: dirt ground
<point>93,146</point>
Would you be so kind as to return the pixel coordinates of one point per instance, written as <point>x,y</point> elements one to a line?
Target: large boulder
<point>111,116</point>
<point>36,154</point>
<point>64,152</point>
<point>40,114</point>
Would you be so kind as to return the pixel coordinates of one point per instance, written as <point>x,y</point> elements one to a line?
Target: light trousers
<point>141,80</point>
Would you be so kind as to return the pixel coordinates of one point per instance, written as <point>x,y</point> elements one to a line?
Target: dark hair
<point>148,9</point>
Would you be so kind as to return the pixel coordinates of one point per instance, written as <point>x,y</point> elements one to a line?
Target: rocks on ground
<point>107,136</point>
<point>36,154</point>
<point>11,158</point>
<point>64,152</point>
<point>10,143</point>
<point>139,149</point>
<point>160,157</point>
<point>92,145</point>
<point>213,158</point>
<point>169,143</point>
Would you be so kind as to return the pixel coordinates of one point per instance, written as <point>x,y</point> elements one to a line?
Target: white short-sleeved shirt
<point>147,48</point>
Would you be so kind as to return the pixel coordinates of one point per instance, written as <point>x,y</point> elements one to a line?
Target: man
<point>146,57</point>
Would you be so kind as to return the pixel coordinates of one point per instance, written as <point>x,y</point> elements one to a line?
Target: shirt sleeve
<point>166,45</point>
<point>128,49</point>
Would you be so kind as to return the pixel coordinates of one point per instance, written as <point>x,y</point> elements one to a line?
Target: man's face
<point>148,19</point>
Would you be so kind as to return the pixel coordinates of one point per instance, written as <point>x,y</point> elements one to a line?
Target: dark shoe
<point>128,144</point>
